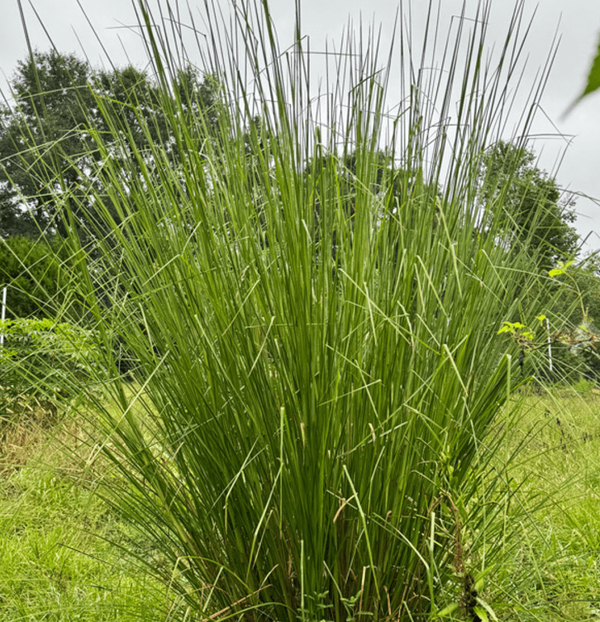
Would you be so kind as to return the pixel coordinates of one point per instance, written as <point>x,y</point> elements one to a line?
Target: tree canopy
<point>510,176</point>
<point>46,145</point>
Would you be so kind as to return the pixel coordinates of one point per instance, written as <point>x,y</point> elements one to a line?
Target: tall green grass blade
<point>311,293</point>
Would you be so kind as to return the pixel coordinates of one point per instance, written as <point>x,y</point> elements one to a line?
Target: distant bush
<point>32,271</point>
<point>584,385</point>
<point>37,357</point>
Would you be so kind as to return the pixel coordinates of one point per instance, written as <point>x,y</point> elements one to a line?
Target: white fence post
<point>549,344</point>
<point>3,314</point>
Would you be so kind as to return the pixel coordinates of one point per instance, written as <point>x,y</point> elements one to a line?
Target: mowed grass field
<point>61,546</point>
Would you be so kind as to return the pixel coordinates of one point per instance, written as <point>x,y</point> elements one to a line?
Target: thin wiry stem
<point>311,302</point>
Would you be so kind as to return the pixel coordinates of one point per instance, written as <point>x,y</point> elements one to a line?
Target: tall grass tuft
<point>308,286</point>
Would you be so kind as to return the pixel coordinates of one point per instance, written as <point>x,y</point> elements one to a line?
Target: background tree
<point>46,148</point>
<point>530,213</point>
<point>39,136</point>
<point>509,175</point>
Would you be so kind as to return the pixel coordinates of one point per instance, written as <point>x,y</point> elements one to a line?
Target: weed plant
<point>310,286</point>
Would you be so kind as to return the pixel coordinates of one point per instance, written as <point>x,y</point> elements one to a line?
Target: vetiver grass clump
<point>308,287</point>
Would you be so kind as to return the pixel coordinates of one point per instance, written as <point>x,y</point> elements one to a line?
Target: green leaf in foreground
<point>593,80</point>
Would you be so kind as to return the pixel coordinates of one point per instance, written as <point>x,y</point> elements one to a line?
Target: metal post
<point>549,344</point>
<point>3,314</point>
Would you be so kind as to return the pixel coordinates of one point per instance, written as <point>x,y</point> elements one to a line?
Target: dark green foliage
<point>534,213</point>
<point>41,136</point>
<point>46,149</point>
<point>593,81</point>
<point>581,305</point>
<point>572,292</point>
<point>32,271</point>
<point>35,360</point>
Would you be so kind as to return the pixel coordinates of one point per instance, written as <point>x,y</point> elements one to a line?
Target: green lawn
<point>552,558</point>
<point>59,543</point>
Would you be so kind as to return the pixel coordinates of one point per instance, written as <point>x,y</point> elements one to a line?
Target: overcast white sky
<point>577,21</point>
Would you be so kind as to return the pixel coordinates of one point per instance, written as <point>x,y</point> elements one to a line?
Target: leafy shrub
<point>36,360</point>
<point>32,271</point>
